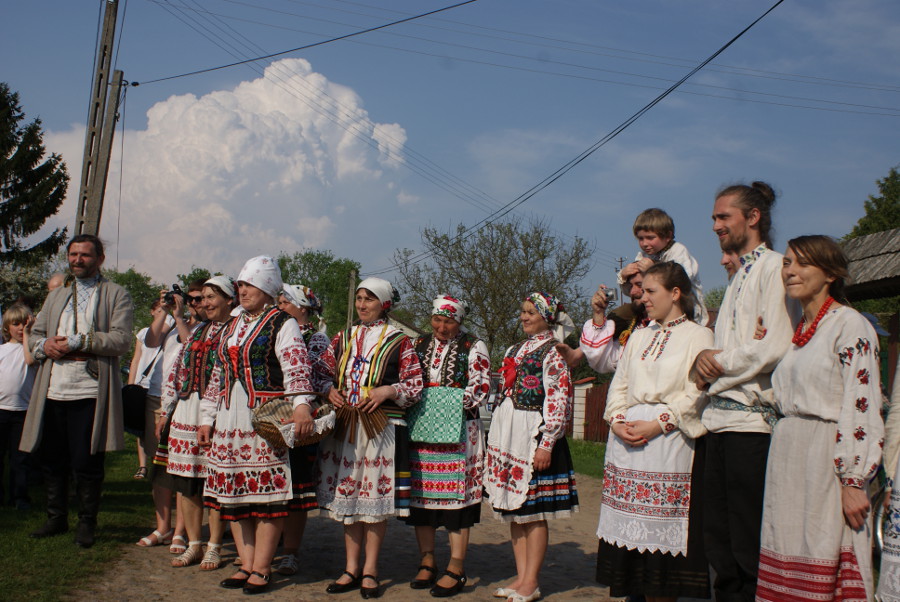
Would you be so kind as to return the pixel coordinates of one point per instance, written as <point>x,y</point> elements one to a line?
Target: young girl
<point>16,379</point>
<point>650,538</point>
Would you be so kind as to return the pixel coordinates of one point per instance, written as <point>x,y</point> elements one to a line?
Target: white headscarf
<point>263,273</point>
<point>300,295</point>
<point>382,289</point>
<point>449,307</point>
<point>224,283</point>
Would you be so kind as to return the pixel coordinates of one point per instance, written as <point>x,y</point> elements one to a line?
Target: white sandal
<point>532,597</point>
<point>178,545</point>
<point>191,555</point>
<point>504,592</point>
<point>161,539</point>
<point>213,558</point>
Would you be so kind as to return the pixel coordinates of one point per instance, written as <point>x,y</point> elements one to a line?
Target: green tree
<point>196,273</point>
<point>883,211</point>
<point>493,269</point>
<point>28,283</point>
<point>328,276</point>
<point>713,297</point>
<point>143,292</point>
<point>31,188</point>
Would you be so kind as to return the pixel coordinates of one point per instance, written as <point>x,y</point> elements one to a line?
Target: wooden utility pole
<point>98,137</point>
<point>351,295</point>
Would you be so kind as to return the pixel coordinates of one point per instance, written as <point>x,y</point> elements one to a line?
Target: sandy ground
<point>568,574</point>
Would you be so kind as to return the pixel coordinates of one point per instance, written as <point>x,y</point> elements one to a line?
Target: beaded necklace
<point>802,338</point>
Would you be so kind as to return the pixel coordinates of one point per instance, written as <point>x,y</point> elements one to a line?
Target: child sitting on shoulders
<point>655,233</point>
<point>16,380</point>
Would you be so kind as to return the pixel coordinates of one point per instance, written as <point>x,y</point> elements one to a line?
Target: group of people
<point>747,448</point>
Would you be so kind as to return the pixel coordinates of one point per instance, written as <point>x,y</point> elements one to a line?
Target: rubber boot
<point>89,498</point>
<point>57,507</point>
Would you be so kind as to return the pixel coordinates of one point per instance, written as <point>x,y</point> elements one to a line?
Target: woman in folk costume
<point>528,475</point>
<point>184,388</point>
<point>447,476</point>
<point>650,530</point>
<point>816,533</point>
<point>365,464</point>
<point>889,579</point>
<point>300,302</point>
<point>261,356</point>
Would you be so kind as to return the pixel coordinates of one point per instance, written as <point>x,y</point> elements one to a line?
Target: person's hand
<point>376,397</point>
<point>29,322</point>
<point>855,503</point>
<point>646,429</point>
<point>303,421</point>
<point>204,436</point>
<point>541,459</point>
<point>160,423</point>
<point>336,398</point>
<point>628,271</point>
<point>760,331</point>
<point>643,264</point>
<point>56,347</point>
<point>572,357</point>
<point>707,366</point>
<point>178,306</point>
<point>599,303</point>
<point>624,432</point>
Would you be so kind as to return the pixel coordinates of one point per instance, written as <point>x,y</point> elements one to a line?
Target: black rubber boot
<point>89,498</point>
<point>57,507</point>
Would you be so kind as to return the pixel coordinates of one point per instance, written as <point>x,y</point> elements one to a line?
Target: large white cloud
<point>275,164</point>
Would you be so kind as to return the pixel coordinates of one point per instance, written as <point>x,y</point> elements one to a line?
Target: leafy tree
<point>713,297</point>
<point>493,269</point>
<point>143,293</point>
<point>328,276</point>
<point>196,273</point>
<point>27,283</point>
<point>882,212</point>
<point>31,188</point>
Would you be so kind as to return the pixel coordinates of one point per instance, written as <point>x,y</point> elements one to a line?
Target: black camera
<point>169,297</point>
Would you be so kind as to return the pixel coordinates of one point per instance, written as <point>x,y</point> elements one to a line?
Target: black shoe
<point>439,591</point>
<point>84,533</point>
<point>256,588</point>
<point>424,583</point>
<point>53,526</point>
<point>370,592</point>
<point>234,582</point>
<point>340,588</point>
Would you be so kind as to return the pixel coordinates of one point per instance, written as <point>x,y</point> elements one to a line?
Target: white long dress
<point>831,436</point>
<point>647,490</point>
<point>889,580</point>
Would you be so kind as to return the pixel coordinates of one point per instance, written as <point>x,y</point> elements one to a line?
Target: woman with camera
<point>261,357</point>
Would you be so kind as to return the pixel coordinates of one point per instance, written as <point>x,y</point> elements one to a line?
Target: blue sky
<point>340,146</point>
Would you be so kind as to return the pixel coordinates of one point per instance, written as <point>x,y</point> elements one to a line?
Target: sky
<point>354,146</point>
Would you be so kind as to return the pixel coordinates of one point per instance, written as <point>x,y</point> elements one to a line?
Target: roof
<point>874,265</point>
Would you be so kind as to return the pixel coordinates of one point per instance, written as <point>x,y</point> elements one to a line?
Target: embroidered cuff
<point>617,418</point>
<point>39,353</point>
<point>547,443</point>
<point>667,422</point>
<point>75,341</point>
<point>600,325</point>
<point>853,482</point>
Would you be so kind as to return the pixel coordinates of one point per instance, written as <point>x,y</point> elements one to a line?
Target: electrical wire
<point>556,175</point>
<point>121,33</point>
<point>307,46</point>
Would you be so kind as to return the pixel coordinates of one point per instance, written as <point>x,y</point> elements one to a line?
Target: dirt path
<point>145,574</point>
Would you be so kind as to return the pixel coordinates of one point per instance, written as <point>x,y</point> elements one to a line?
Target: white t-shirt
<point>16,379</point>
<point>153,381</point>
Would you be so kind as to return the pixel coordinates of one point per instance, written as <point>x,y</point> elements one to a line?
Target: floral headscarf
<point>450,307</point>
<point>263,273</point>
<point>302,296</point>
<point>551,309</point>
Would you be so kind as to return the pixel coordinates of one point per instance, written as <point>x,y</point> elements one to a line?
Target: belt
<point>77,356</point>
<point>768,413</point>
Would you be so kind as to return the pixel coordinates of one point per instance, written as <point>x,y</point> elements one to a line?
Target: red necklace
<point>802,339</point>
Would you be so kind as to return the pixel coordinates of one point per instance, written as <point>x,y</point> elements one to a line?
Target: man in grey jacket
<point>75,414</point>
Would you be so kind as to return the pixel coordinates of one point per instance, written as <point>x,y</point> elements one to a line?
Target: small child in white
<point>16,380</point>
<point>655,233</point>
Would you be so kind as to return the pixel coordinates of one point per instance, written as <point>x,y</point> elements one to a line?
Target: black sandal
<point>439,591</point>
<point>256,588</point>
<point>234,582</point>
<point>424,583</point>
<point>340,588</point>
<point>370,592</point>
<point>140,473</point>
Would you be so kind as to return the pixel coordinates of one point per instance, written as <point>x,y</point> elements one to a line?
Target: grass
<point>47,569</point>
<point>587,457</point>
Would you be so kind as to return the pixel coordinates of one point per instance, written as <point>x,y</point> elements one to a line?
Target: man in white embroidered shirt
<point>737,377</point>
<point>75,414</point>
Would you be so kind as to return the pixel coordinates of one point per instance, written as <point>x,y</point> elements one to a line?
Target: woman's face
<point>802,280</point>
<point>217,307</point>
<point>444,328</point>
<point>661,304</point>
<point>532,321</point>
<point>252,299</point>
<point>301,314</point>
<point>368,306</point>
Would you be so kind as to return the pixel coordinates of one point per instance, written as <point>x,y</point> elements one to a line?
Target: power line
<point>313,45</point>
<point>590,150</point>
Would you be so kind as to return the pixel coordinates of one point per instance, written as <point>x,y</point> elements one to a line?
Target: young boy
<point>655,233</point>
<point>16,380</point>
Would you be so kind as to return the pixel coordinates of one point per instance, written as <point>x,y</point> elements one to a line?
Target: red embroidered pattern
<point>797,579</point>
<point>660,494</point>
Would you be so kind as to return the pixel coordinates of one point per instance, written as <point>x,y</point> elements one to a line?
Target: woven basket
<point>269,416</point>
<point>324,417</point>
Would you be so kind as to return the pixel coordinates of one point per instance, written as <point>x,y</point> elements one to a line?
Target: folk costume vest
<point>384,366</point>
<point>201,360</point>
<point>455,370</point>
<point>254,363</point>
<point>528,389</point>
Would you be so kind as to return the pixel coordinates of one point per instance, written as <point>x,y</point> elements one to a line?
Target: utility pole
<point>351,294</point>
<point>98,137</point>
